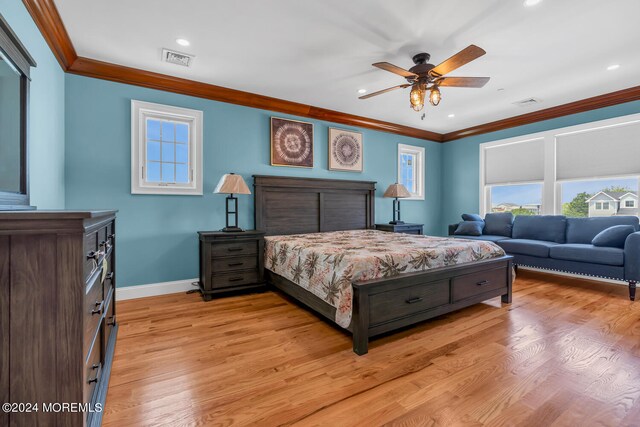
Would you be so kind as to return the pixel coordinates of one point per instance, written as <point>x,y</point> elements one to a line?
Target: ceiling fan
<point>423,77</point>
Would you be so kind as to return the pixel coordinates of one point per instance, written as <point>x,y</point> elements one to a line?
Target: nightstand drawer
<point>222,265</point>
<point>229,280</point>
<point>234,249</point>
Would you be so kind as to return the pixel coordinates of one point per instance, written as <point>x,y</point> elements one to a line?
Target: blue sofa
<point>555,242</point>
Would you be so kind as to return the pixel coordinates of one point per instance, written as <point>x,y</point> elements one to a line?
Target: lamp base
<point>396,222</point>
<point>232,229</point>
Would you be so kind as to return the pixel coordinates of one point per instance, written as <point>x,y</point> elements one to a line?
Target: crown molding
<point>46,16</point>
<point>581,106</point>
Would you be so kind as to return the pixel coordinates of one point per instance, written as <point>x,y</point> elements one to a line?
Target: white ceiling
<point>320,52</point>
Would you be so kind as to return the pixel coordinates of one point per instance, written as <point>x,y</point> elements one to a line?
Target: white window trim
<point>551,188</point>
<point>420,170</point>
<point>139,112</point>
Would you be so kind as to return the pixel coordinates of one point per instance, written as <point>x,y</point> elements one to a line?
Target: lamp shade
<point>231,183</point>
<point>396,190</point>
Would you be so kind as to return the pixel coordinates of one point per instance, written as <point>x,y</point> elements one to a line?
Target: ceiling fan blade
<point>395,69</point>
<point>380,92</point>
<point>461,58</point>
<point>462,81</point>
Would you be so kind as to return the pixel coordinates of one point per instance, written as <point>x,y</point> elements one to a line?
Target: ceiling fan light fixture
<point>434,96</point>
<point>416,97</point>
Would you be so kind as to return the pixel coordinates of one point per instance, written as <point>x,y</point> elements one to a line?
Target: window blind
<point>596,153</point>
<point>513,163</point>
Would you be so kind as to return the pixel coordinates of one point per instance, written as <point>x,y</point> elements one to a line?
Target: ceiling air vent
<point>178,58</point>
<point>527,102</point>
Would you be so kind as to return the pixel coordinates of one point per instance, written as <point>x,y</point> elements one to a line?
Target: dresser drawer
<point>234,249</point>
<point>92,372</point>
<point>473,284</point>
<point>222,265</point>
<point>90,248</point>
<point>93,308</point>
<point>229,280</point>
<point>109,318</point>
<point>403,302</point>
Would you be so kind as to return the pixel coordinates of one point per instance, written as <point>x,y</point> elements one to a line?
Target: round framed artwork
<point>345,150</point>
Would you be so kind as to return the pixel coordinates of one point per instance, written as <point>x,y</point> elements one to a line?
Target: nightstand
<point>231,262</point>
<point>405,228</point>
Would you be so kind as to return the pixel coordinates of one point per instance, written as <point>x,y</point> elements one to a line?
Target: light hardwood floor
<point>565,353</point>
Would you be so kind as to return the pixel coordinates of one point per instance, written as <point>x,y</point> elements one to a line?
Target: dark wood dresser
<point>406,228</point>
<point>57,315</point>
<point>231,262</point>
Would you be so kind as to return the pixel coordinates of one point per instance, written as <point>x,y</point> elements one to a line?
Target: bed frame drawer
<point>399,303</point>
<point>234,249</point>
<point>470,285</point>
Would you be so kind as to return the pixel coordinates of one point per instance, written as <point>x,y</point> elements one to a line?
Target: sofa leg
<point>632,290</point>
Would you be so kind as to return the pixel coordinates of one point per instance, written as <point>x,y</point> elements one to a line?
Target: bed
<point>392,280</point>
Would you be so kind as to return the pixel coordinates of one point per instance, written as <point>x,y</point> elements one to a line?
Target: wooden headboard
<point>290,205</point>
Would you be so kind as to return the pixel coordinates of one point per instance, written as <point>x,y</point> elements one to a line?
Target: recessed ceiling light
<point>451,116</point>
<point>529,3</point>
<point>613,67</point>
<point>362,91</point>
<point>183,42</point>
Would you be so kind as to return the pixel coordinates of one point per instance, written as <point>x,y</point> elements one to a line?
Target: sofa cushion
<point>498,224</point>
<point>588,253</point>
<point>488,238</point>
<point>470,228</point>
<point>539,248</point>
<point>613,237</point>
<point>583,230</point>
<point>472,217</point>
<point>550,228</point>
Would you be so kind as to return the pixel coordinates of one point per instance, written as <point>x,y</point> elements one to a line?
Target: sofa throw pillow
<point>472,217</point>
<point>498,224</point>
<point>613,237</point>
<point>469,228</point>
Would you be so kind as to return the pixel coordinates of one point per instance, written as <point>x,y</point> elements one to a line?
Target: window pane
<point>182,153</point>
<point>604,197</point>
<point>153,172</point>
<point>407,172</point>
<point>167,131</point>
<point>153,151</point>
<point>523,199</point>
<point>182,132</point>
<point>182,173</point>
<point>168,152</point>
<point>168,172</point>
<point>153,129</point>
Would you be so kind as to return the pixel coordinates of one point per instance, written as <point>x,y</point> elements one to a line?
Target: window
<point>15,68</point>
<point>166,149</point>
<point>411,170</point>
<point>579,171</point>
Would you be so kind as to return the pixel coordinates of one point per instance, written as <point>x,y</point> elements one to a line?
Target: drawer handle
<point>109,276</point>
<point>98,310</point>
<point>235,264</point>
<point>236,279</point>
<point>482,283</point>
<point>234,249</point>
<point>93,380</point>
<point>94,255</point>
<point>413,300</point>
<point>112,322</point>
<point>95,366</point>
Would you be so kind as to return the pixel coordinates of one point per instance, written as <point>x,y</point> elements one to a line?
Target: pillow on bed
<point>613,237</point>
<point>469,228</point>
<point>472,217</point>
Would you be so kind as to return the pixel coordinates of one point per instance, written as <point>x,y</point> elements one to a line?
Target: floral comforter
<point>327,263</point>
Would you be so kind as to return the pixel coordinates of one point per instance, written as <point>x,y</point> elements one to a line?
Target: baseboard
<point>154,289</point>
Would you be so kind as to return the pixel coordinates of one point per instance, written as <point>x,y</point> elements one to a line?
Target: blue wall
<point>461,159</point>
<point>46,111</point>
<point>157,234</point>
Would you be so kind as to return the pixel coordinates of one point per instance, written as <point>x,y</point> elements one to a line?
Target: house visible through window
<point>599,197</point>
<point>166,149</point>
<point>411,170</point>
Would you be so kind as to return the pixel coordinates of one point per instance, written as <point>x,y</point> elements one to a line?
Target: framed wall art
<point>291,143</point>
<point>345,150</point>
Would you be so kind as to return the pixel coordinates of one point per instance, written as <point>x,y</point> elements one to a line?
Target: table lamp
<point>231,184</point>
<point>396,191</point>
